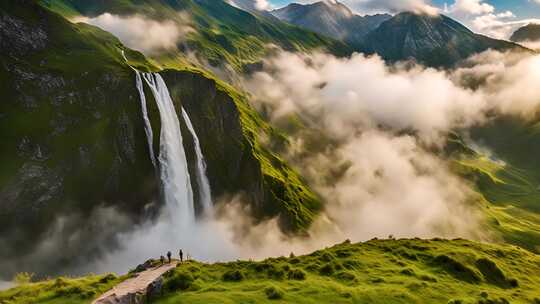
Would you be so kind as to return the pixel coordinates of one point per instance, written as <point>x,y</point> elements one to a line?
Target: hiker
<point>181,256</point>
<point>162,259</point>
<point>169,256</point>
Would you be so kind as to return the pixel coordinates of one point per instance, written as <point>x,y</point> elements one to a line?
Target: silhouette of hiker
<point>181,256</point>
<point>169,256</point>
<point>162,259</point>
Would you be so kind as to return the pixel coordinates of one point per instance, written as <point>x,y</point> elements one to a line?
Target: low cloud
<point>140,33</point>
<point>368,145</point>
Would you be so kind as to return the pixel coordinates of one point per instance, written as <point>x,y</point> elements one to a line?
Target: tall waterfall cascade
<point>173,166</point>
<point>147,125</point>
<point>205,194</point>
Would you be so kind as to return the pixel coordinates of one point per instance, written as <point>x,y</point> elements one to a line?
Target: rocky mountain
<point>530,32</point>
<point>332,19</point>
<point>431,40</point>
<point>74,151</point>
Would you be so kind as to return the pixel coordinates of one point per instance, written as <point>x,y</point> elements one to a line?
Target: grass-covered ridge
<point>223,34</point>
<point>61,290</point>
<point>377,271</point>
<point>504,172</point>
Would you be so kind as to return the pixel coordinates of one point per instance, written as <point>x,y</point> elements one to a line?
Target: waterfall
<point>147,125</point>
<point>202,180</point>
<point>172,157</point>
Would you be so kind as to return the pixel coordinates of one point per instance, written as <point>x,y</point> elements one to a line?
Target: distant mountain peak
<point>434,40</point>
<point>529,32</point>
<point>331,18</point>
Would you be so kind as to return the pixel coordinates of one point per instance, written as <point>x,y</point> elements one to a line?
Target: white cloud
<point>140,33</point>
<point>251,5</point>
<point>473,7</point>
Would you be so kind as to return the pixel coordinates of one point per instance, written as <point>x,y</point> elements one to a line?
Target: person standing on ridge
<point>181,256</point>
<point>169,256</point>
<point>162,259</point>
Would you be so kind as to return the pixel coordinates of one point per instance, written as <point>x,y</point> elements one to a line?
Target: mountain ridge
<point>331,19</point>
<point>437,41</point>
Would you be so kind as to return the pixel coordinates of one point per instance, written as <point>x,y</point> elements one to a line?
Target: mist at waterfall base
<point>176,228</point>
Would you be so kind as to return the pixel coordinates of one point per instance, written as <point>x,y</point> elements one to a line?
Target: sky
<point>521,8</point>
<point>495,18</point>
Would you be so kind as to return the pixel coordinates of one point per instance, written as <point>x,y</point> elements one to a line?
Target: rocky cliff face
<point>75,166</point>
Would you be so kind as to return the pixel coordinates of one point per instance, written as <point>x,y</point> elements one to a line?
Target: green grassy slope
<point>61,290</point>
<point>508,179</point>
<point>377,271</point>
<point>223,33</point>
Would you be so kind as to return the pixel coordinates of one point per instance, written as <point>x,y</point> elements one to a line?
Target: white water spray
<point>175,177</point>
<point>202,180</point>
<point>147,125</point>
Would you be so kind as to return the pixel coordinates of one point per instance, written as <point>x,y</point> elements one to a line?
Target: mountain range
<point>332,19</point>
<point>437,41</point>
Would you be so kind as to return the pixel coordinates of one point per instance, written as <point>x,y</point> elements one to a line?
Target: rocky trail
<point>134,290</point>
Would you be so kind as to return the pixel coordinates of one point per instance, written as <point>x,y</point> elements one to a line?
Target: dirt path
<point>134,285</point>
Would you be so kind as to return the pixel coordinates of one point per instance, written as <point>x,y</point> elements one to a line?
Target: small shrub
<point>107,278</point>
<point>327,270</point>
<point>343,253</point>
<point>179,281</point>
<point>60,282</point>
<point>88,294</point>
<point>457,269</point>
<point>346,276</point>
<point>455,302</point>
<point>275,273</point>
<point>407,272</point>
<point>296,274</point>
<point>492,273</point>
<point>22,278</point>
<point>513,283</point>
<point>377,280</point>
<point>346,295</point>
<point>351,264</point>
<point>273,293</point>
<point>327,257</point>
<point>313,267</point>
<point>233,276</point>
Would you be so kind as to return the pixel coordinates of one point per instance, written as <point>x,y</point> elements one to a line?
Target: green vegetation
<point>507,179</point>
<point>288,196</point>
<point>223,34</point>
<point>377,271</point>
<point>293,198</point>
<point>60,290</point>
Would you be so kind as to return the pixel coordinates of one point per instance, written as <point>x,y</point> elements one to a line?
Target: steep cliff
<point>74,153</point>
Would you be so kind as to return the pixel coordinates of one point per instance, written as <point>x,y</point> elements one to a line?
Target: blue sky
<point>521,8</point>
